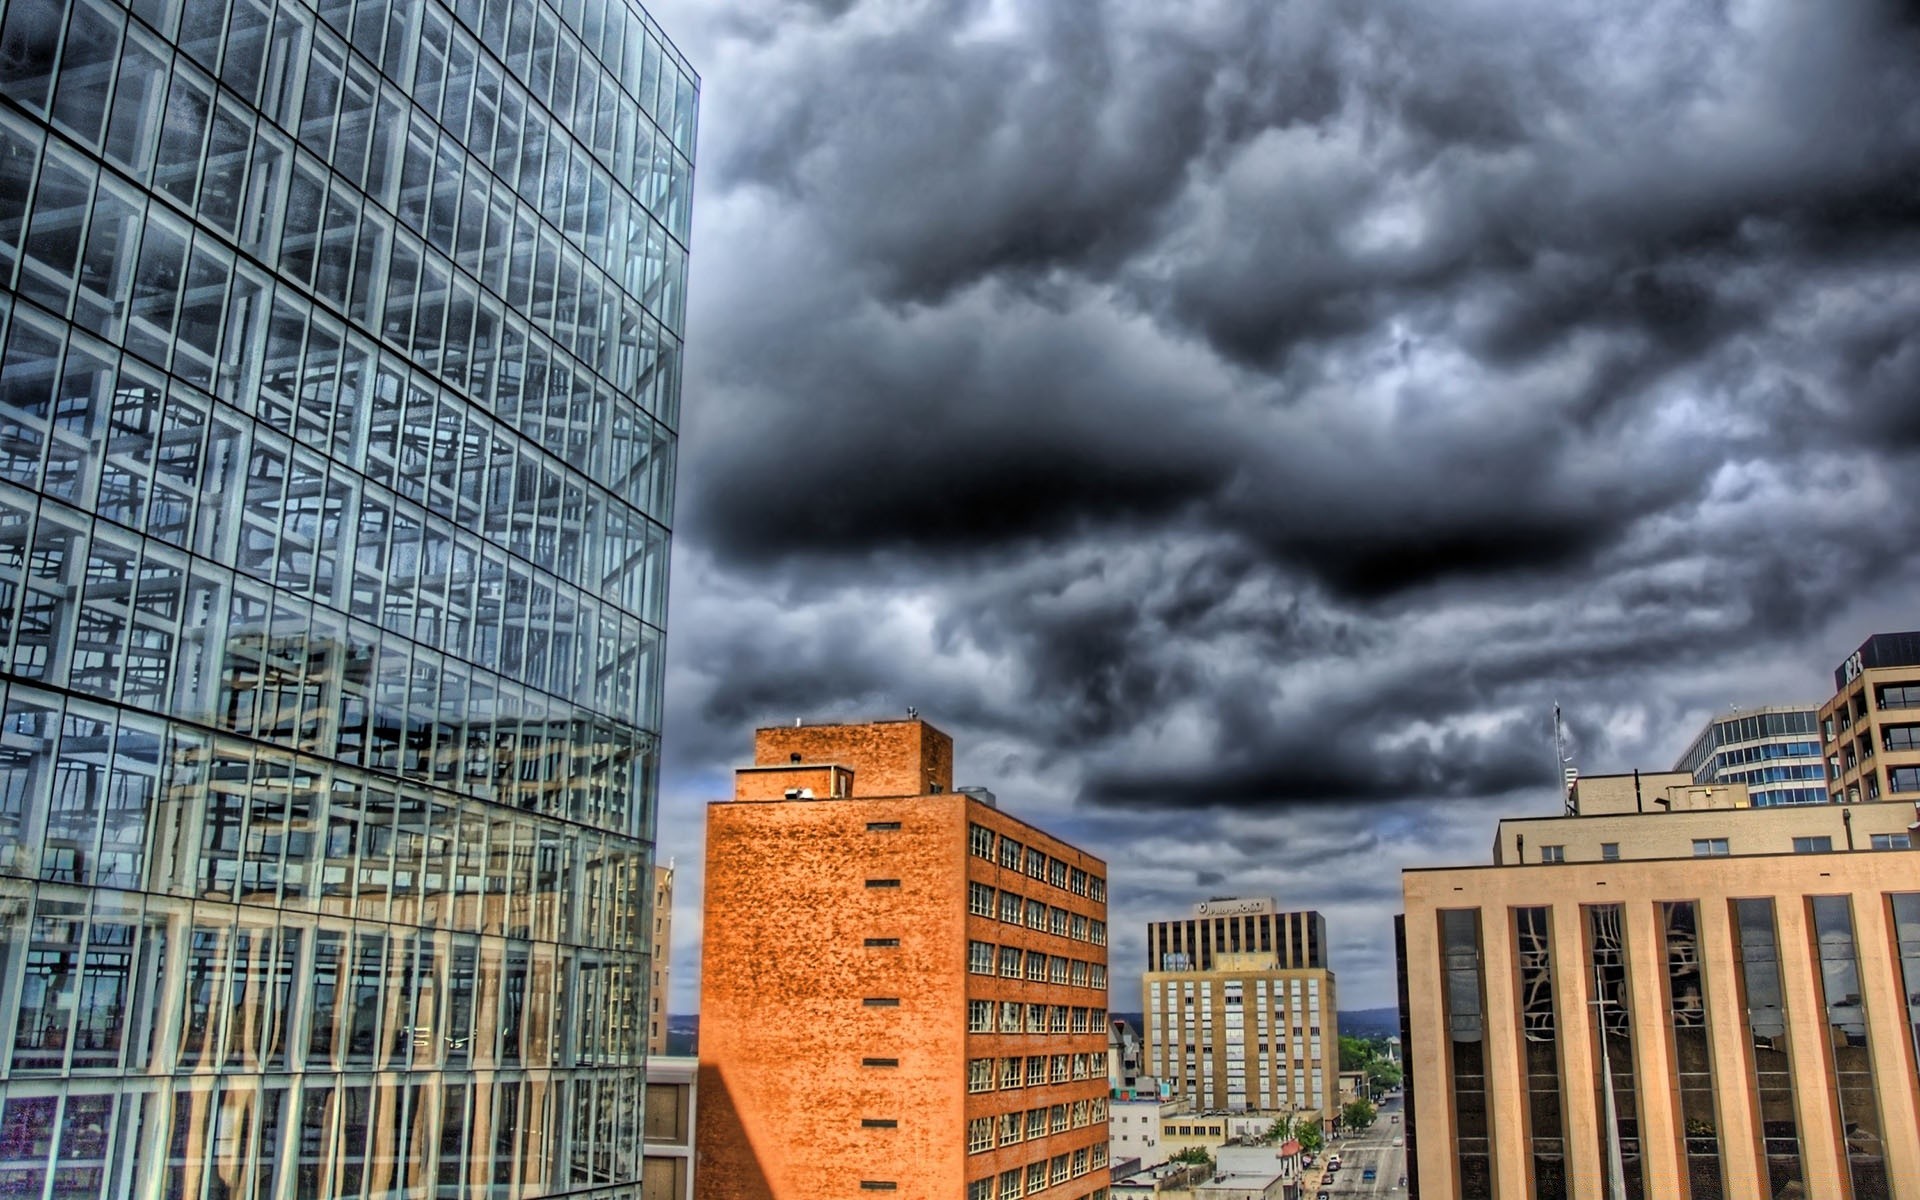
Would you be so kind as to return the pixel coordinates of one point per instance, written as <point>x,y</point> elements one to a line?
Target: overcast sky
<point>1237,422</point>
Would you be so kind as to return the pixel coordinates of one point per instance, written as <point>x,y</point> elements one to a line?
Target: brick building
<point>903,989</point>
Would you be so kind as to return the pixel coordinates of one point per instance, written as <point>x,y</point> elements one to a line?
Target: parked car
<point>1368,1175</point>
<point>1399,1141</point>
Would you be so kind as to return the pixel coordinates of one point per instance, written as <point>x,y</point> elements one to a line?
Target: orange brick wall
<point>889,758</point>
<point>784,971</point>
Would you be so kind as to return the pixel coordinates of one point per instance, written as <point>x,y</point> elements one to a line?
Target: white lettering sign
<point>1852,667</point>
<point>1231,908</point>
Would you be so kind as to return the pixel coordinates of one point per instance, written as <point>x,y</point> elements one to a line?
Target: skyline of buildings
<point>339,385</point>
<point>915,1001</point>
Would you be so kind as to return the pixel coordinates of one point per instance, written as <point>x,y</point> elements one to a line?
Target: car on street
<point>1368,1175</point>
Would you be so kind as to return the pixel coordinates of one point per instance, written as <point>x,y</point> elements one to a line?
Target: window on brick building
<point>1010,853</point>
<point>979,1135</point>
<point>980,838</point>
<point>979,899</point>
<point>980,1075</point>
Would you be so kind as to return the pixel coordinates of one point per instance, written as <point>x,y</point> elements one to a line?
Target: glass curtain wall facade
<point>339,375</point>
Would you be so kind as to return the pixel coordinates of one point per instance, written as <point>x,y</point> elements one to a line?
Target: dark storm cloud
<point>1249,419</point>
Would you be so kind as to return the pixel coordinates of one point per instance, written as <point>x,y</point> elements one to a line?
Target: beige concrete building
<point>667,1169</point>
<point>1240,1010</point>
<point>662,961</point>
<point>1749,977</point>
<point>1871,727</point>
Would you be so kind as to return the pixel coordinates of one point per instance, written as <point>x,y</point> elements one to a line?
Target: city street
<point>1371,1147</point>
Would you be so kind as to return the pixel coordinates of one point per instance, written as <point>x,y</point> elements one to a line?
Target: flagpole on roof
<point>1563,761</point>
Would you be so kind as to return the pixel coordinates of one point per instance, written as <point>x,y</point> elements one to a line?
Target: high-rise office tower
<point>1774,750</point>
<point>661,961</point>
<point>1719,997</point>
<point>338,387</point>
<point>903,988</point>
<point>1240,1010</point>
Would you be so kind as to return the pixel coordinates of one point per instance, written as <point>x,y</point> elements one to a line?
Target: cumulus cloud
<point>1240,423</point>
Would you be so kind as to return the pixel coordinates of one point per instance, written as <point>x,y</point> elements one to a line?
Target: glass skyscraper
<point>339,374</point>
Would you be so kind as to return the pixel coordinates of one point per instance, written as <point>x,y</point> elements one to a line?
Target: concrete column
<point>1826,1171</point>
<point>1884,993</point>
<point>1741,1172</point>
<point>1506,1068</point>
<point>1432,1074</point>
<point>1662,1161</point>
<point>1579,1057</point>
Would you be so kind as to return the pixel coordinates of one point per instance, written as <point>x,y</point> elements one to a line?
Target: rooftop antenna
<point>1567,772</point>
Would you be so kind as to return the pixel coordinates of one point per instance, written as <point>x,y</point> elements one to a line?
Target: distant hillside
<point>1370,1022</point>
<point>683,1034</point>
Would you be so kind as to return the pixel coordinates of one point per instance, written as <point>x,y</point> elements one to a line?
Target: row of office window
<point>1903,694</point>
<point>106,797</point>
<point>1013,856</point>
<point>1748,755</point>
<point>985,1133</point>
<point>1016,910</point>
<point>1011,1016</point>
<point>553,587</point>
<point>492,400</point>
<point>1719,847</point>
<point>1034,1070</point>
<point>290,1138</point>
<point>348,85</point>
<point>99,982</point>
<point>1039,1176</point>
<point>1015,963</point>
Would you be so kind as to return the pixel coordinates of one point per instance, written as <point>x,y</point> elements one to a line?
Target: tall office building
<point>1871,726</point>
<point>338,387</point>
<point>1735,985</point>
<point>660,960</point>
<point>1774,750</point>
<point>1240,1009</point>
<point>903,989</point>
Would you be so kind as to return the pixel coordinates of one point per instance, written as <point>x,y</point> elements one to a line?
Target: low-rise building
<point>1168,1181</point>
<point>1732,981</point>
<point>1134,1122</point>
<point>667,1165</point>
